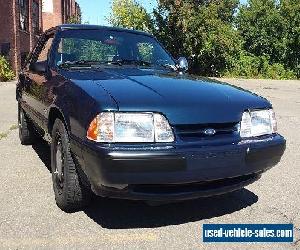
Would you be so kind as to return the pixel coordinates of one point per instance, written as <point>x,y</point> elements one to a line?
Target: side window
<point>145,52</point>
<point>43,52</point>
<point>40,52</point>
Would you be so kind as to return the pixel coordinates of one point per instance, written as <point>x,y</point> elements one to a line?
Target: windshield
<point>105,47</point>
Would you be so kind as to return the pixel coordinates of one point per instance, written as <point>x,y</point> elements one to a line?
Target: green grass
<point>5,134</point>
<point>13,127</point>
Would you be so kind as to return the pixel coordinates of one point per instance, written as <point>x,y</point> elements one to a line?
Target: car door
<point>34,81</point>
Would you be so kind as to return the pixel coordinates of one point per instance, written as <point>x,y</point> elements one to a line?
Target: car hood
<point>183,99</point>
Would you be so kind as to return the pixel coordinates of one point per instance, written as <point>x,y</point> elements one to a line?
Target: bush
<point>6,73</point>
<point>277,71</point>
<point>250,66</point>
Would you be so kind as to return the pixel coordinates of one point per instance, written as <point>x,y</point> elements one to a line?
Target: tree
<point>202,30</point>
<point>221,37</point>
<point>263,29</point>
<point>75,19</point>
<point>290,11</point>
<point>130,14</point>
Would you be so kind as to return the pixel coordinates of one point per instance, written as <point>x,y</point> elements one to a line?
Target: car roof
<point>93,27</point>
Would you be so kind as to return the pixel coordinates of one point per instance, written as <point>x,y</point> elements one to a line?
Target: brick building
<point>59,11</point>
<point>22,21</point>
<point>21,24</point>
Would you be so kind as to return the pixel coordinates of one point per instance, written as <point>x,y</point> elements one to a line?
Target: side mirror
<point>182,64</point>
<point>39,67</point>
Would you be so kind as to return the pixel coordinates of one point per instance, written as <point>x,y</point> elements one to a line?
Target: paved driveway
<point>30,218</point>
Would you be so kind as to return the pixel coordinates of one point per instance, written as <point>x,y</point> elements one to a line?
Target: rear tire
<point>71,191</point>
<point>27,133</point>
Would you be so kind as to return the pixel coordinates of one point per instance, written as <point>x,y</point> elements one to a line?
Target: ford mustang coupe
<point>126,120</point>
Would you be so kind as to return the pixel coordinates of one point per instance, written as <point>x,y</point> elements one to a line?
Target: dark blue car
<point>126,120</point>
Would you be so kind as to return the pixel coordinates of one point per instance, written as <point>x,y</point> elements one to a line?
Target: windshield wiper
<point>142,63</point>
<point>79,63</point>
<point>130,62</point>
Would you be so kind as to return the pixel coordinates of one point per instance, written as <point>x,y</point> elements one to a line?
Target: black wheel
<point>27,133</point>
<point>72,192</point>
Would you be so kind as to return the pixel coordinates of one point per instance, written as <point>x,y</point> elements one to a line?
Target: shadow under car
<point>125,214</point>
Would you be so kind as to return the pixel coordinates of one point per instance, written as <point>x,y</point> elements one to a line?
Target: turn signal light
<point>92,133</point>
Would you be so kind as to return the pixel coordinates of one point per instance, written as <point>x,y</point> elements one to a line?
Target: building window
<point>4,49</point>
<point>67,17</point>
<point>36,17</point>
<point>24,11</point>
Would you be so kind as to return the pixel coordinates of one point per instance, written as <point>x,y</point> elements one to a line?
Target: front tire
<point>71,192</point>
<point>27,133</point>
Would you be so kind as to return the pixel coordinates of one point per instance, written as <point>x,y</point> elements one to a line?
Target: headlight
<point>130,127</point>
<point>258,122</point>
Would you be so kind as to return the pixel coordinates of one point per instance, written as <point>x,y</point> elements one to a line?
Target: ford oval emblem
<point>209,131</point>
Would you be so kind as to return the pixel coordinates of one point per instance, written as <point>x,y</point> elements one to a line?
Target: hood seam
<point>110,95</point>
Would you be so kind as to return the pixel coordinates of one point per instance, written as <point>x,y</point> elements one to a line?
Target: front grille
<point>192,187</point>
<point>198,130</point>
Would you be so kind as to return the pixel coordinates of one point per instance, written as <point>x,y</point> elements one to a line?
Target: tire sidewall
<point>20,121</point>
<point>26,130</point>
<point>73,195</point>
<point>59,130</point>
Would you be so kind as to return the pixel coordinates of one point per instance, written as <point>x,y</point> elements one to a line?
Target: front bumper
<point>178,172</point>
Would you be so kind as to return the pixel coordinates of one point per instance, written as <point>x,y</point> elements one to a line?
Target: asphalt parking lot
<point>30,219</point>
